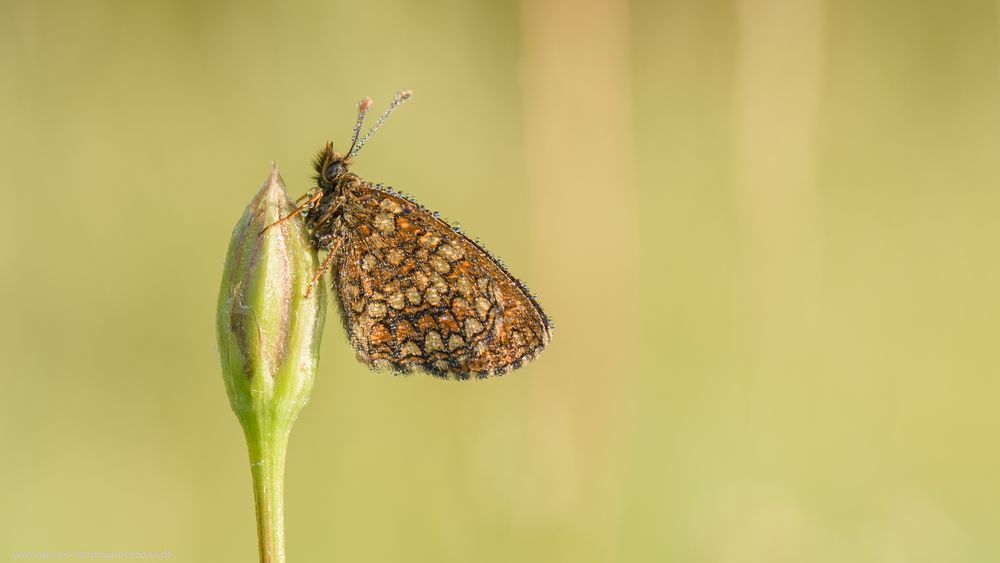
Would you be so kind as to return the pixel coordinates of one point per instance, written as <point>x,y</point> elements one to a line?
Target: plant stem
<point>267,446</point>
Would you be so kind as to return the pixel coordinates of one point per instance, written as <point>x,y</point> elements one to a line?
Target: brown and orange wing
<point>416,294</point>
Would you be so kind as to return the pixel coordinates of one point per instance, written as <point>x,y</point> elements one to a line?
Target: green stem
<point>267,465</point>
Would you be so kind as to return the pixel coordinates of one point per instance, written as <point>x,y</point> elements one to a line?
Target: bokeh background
<point>767,230</point>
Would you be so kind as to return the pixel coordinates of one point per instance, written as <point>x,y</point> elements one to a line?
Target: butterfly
<point>414,292</point>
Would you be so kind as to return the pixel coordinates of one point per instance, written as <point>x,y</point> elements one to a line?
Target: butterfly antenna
<point>397,101</point>
<point>363,107</point>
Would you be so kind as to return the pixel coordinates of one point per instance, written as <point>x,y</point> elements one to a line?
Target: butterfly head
<point>330,165</point>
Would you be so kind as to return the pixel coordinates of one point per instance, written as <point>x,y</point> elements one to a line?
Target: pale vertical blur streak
<point>777,83</point>
<point>578,150</point>
<point>778,71</point>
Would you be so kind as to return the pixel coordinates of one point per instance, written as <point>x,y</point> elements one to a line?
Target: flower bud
<point>268,330</point>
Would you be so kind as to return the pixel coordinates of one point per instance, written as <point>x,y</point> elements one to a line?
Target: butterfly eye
<point>334,169</point>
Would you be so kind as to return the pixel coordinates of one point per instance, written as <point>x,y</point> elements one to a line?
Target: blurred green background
<point>767,231</point>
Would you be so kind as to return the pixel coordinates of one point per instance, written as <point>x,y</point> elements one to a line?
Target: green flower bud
<point>269,334</point>
<point>269,331</point>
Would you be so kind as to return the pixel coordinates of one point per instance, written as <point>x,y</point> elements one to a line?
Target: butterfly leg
<point>326,216</point>
<point>325,266</point>
<point>312,199</point>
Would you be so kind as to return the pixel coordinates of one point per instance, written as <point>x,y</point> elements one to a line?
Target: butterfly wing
<point>416,294</point>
